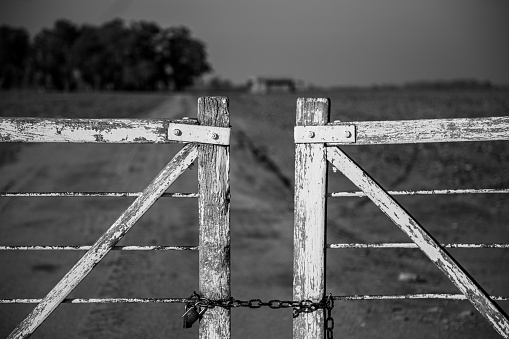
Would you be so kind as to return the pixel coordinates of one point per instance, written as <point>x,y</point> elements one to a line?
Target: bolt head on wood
<point>214,136</point>
<point>177,132</point>
<point>348,134</point>
<point>311,134</point>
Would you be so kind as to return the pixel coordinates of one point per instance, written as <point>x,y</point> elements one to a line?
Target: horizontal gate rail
<point>124,131</point>
<point>425,192</point>
<point>428,130</point>
<point>86,248</point>
<point>90,194</point>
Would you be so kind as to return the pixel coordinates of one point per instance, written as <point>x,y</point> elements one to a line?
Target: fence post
<point>309,220</point>
<point>214,218</point>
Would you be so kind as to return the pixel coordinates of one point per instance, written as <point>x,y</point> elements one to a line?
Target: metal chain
<point>303,306</point>
<point>329,321</point>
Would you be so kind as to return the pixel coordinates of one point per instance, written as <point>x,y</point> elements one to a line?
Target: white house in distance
<point>264,85</point>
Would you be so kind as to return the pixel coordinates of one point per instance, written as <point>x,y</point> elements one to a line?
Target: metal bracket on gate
<point>199,133</point>
<point>325,134</point>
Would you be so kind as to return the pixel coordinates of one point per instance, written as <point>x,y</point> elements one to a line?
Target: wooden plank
<point>124,131</point>
<point>430,130</point>
<point>309,220</point>
<point>214,216</point>
<point>459,277</point>
<point>110,238</point>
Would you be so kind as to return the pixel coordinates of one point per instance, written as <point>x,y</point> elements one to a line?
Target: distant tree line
<point>459,84</point>
<point>113,56</point>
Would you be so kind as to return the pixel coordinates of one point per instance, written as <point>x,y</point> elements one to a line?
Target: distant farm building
<point>264,85</point>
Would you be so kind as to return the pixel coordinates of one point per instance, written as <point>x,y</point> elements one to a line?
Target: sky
<point>323,42</point>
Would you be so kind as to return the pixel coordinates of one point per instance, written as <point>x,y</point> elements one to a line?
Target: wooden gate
<point>316,144</point>
<point>206,139</point>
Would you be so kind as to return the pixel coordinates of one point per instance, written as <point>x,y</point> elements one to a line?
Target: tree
<point>141,70</point>
<point>14,51</point>
<point>139,56</point>
<point>89,59</point>
<point>183,58</point>
<point>52,56</point>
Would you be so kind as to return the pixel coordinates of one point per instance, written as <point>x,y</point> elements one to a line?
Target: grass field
<point>262,161</point>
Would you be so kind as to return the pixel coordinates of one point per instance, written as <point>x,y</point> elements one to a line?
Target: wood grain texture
<point>459,277</point>
<point>214,217</point>
<point>309,220</point>
<point>109,239</point>
<point>123,131</point>
<point>430,130</point>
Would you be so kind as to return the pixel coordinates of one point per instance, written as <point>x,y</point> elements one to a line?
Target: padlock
<point>193,313</point>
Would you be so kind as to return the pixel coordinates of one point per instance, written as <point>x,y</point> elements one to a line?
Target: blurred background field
<point>262,170</point>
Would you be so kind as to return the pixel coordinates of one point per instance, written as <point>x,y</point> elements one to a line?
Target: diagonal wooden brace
<point>112,236</point>
<point>459,277</point>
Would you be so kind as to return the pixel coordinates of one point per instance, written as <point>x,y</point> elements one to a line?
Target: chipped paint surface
<point>87,130</point>
<point>460,278</point>
<point>309,220</point>
<point>430,130</point>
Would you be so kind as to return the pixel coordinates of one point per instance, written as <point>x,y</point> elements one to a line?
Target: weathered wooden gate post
<point>214,215</point>
<point>309,220</point>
